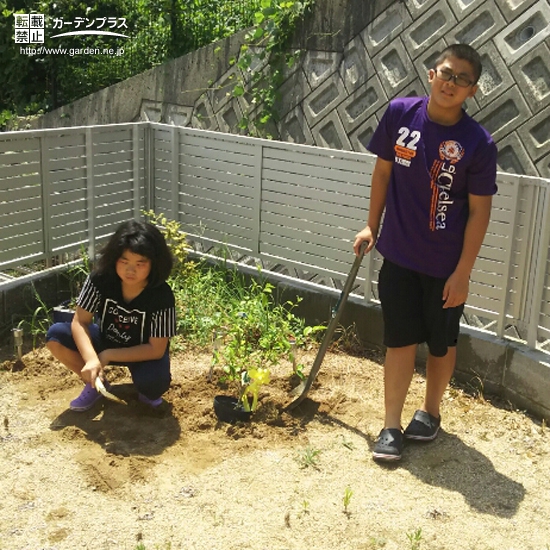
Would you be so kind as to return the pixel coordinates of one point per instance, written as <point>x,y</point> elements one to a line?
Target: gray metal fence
<point>294,208</point>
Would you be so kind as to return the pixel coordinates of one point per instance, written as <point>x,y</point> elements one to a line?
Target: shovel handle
<point>336,314</point>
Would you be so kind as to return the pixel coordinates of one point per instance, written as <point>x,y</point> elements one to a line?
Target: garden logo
<point>29,28</point>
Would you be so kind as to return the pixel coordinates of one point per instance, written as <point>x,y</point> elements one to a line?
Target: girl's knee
<point>153,387</point>
<point>54,346</point>
<point>60,333</point>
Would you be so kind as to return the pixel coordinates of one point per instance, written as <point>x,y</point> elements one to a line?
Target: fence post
<point>90,190</point>
<point>45,186</point>
<point>174,137</point>
<point>258,164</point>
<point>148,165</point>
<point>541,259</point>
<point>501,319</point>
<point>135,170</point>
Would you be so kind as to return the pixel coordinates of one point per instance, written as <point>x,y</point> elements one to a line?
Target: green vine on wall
<point>264,59</point>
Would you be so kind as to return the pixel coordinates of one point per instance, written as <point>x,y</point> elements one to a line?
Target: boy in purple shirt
<point>435,177</point>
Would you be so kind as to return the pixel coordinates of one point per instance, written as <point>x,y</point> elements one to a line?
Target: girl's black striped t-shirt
<point>152,314</point>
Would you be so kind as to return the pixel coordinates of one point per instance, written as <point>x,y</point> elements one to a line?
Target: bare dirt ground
<point>121,477</point>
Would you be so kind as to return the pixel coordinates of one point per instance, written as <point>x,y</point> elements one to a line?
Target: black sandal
<point>389,445</point>
<point>423,427</point>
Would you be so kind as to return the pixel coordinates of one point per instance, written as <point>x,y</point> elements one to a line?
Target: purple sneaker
<point>151,402</point>
<point>86,400</point>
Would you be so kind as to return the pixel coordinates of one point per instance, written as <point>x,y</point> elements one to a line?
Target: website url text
<point>42,50</point>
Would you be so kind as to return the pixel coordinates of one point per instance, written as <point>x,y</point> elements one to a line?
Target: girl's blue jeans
<point>151,378</point>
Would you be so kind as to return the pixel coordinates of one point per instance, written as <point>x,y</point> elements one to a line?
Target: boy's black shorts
<point>412,307</point>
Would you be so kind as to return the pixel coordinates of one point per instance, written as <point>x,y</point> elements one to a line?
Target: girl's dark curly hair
<point>140,238</point>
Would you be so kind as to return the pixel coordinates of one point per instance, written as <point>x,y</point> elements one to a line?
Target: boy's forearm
<point>379,190</point>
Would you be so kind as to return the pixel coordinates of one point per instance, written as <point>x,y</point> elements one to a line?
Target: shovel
<point>100,387</point>
<point>302,390</point>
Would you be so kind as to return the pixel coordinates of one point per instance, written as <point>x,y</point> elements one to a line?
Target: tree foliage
<point>157,30</point>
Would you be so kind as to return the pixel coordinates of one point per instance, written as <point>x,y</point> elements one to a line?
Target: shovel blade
<point>103,391</point>
<point>295,392</point>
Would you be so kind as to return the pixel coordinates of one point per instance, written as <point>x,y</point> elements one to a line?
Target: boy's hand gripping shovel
<point>305,386</point>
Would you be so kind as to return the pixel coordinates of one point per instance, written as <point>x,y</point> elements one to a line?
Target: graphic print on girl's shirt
<point>122,326</point>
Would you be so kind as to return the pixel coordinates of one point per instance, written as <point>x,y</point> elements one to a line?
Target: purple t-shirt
<point>435,167</point>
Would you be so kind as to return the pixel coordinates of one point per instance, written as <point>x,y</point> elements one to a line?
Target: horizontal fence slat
<point>18,157</point>
<point>294,172</point>
<point>307,204</point>
<point>18,143</point>
<point>209,214</point>
<point>219,165</point>
<point>199,176</point>
<point>11,184</point>
<point>20,170</point>
<point>193,155</point>
<point>331,225</point>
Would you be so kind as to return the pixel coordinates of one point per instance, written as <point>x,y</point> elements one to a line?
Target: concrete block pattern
<point>318,66</point>
<point>324,99</point>
<point>435,23</point>
<point>362,104</point>
<point>177,114</point>
<point>330,133</point>
<point>418,7</point>
<point>525,32</point>
<point>246,104</point>
<point>495,78</point>
<point>513,156</point>
<point>360,137</point>
<point>151,110</point>
<point>385,28</point>
<point>229,118</point>
<point>462,8</point>
<point>222,92</point>
<point>245,100</point>
<point>292,92</point>
<point>535,134</point>
<point>294,128</point>
<point>356,66</point>
<point>394,68</point>
<point>505,114</point>
<point>511,9</point>
<point>256,63</point>
<point>203,114</point>
<point>532,73</point>
<point>543,166</point>
<point>480,26</point>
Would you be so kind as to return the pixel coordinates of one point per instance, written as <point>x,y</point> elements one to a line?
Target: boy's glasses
<point>447,76</point>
